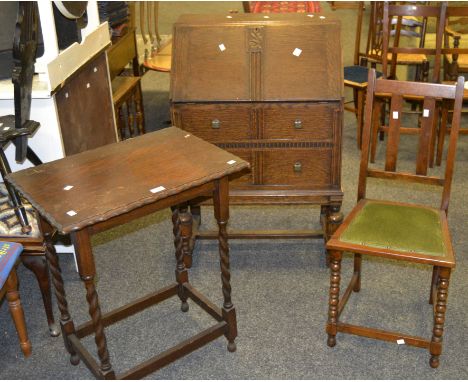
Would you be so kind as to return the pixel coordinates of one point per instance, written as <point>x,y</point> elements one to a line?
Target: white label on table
<point>157,189</point>
<point>426,113</point>
<point>400,341</point>
<point>266,17</point>
<point>88,85</point>
<point>395,115</point>
<point>310,15</point>
<point>322,17</point>
<point>67,188</point>
<point>222,48</point>
<point>229,17</point>
<point>6,128</point>
<point>71,213</point>
<point>297,52</point>
<point>232,161</point>
<point>186,136</point>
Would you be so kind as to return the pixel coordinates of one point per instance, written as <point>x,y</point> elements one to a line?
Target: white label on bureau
<point>297,52</point>
<point>71,213</point>
<point>157,189</point>
<point>222,48</point>
<point>426,113</point>
<point>400,341</point>
<point>395,115</point>
<point>67,188</point>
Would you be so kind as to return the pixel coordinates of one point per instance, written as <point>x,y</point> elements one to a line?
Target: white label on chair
<point>232,161</point>
<point>400,341</point>
<point>157,189</point>
<point>426,113</point>
<point>71,213</point>
<point>322,17</point>
<point>186,136</point>
<point>310,15</point>
<point>67,188</point>
<point>297,52</point>
<point>395,115</point>
<point>229,17</point>
<point>222,48</point>
<point>266,17</point>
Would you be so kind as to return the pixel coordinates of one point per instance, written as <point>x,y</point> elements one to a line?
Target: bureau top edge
<point>254,18</point>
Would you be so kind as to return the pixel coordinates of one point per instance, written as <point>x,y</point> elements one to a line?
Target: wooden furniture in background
<point>18,221</point>
<point>126,90</point>
<point>9,255</point>
<point>184,168</point>
<point>355,77</point>
<point>398,231</point>
<point>258,88</point>
<point>85,108</point>
<point>154,50</point>
<point>281,6</point>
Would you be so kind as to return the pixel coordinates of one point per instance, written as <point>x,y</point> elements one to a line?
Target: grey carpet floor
<point>279,288</point>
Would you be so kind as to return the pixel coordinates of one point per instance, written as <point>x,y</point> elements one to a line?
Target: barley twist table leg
<point>95,313</point>
<point>66,323</point>
<point>182,223</point>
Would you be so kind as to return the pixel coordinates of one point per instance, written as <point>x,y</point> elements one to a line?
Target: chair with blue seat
<point>394,230</point>
<point>9,255</point>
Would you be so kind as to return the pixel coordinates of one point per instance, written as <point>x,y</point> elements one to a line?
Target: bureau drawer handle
<point>297,167</point>
<point>215,123</point>
<point>298,124</point>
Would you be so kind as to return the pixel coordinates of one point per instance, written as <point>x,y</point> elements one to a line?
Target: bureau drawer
<point>215,123</point>
<point>304,168</point>
<point>299,121</point>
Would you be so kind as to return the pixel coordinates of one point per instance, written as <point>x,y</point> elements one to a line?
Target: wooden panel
<point>209,64</point>
<point>85,109</point>
<point>314,72</point>
<point>315,168</point>
<point>201,120</point>
<point>298,121</point>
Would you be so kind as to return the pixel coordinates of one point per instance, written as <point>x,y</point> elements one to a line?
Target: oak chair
<point>391,52</point>
<point>126,90</point>
<point>400,231</point>
<point>9,256</point>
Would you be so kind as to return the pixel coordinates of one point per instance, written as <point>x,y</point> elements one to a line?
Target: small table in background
<point>99,189</point>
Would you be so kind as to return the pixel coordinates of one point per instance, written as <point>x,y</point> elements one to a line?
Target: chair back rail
<point>432,94</point>
<point>423,11</point>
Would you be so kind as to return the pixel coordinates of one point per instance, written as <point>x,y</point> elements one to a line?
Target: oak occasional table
<point>99,189</point>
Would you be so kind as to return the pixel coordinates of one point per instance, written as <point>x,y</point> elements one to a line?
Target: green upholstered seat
<point>401,228</point>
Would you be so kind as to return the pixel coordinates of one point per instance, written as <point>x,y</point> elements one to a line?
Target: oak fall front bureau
<point>269,90</point>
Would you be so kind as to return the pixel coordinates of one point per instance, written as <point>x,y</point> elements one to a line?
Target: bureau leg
<point>66,323</point>
<point>332,220</point>
<point>182,228</point>
<point>221,210</point>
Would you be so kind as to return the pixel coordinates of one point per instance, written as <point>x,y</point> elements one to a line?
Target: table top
<point>96,185</point>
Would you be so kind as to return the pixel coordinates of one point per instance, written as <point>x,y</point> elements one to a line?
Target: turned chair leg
<point>38,265</point>
<point>435,347</point>
<point>17,312</point>
<point>335,278</point>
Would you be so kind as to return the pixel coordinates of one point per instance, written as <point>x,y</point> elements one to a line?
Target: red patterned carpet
<point>284,6</point>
